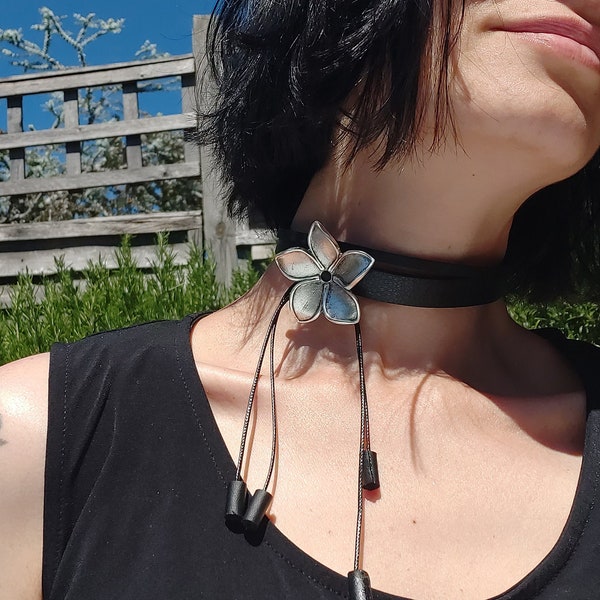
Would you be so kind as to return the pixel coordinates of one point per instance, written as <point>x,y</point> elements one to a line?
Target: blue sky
<point>165,23</point>
<point>168,24</point>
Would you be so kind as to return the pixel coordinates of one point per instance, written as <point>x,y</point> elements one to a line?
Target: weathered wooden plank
<point>71,116</point>
<point>14,113</point>
<point>80,133</point>
<point>196,237</point>
<point>5,291</point>
<point>262,242</point>
<point>265,252</point>
<point>98,226</point>
<point>219,230</point>
<point>189,106</point>
<point>252,237</point>
<point>43,262</point>
<point>133,142</point>
<point>54,81</point>
<point>97,68</point>
<point>104,178</point>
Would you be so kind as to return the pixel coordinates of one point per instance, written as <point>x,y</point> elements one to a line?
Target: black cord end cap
<point>370,471</point>
<point>237,500</point>
<point>256,510</point>
<point>359,585</point>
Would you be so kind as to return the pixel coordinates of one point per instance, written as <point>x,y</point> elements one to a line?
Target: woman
<point>415,130</point>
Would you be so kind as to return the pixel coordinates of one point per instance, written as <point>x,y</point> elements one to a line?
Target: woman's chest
<point>468,530</point>
<point>462,512</point>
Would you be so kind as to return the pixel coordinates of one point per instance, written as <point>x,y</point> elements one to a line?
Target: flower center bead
<point>326,276</point>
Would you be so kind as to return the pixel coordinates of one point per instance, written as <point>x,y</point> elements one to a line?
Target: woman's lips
<point>576,39</point>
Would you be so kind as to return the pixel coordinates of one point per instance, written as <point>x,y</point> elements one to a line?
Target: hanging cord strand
<point>364,429</point>
<point>252,394</point>
<point>364,403</point>
<point>273,407</point>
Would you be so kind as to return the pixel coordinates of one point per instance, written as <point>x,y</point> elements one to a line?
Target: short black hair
<point>284,72</point>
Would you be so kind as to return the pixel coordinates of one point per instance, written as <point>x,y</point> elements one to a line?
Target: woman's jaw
<point>525,118</point>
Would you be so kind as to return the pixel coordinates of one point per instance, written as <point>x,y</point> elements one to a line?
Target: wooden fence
<point>83,240</point>
<point>129,75</point>
<point>34,246</point>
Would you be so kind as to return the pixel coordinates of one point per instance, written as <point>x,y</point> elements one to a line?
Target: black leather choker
<point>410,281</point>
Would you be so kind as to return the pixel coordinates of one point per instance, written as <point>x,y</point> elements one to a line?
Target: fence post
<point>14,106</point>
<point>219,229</point>
<point>71,114</point>
<point>131,112</point>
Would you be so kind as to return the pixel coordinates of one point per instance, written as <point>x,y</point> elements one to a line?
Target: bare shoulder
<point>23,422</point>
<point>24,403</point>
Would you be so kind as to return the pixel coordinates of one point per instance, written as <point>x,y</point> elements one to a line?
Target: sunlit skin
<point>478,424</point>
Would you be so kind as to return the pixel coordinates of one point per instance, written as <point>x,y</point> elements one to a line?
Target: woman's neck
<point>480,346</point>
<point>446,207</point>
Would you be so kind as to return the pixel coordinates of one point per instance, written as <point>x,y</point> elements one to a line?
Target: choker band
<point>410,281</point>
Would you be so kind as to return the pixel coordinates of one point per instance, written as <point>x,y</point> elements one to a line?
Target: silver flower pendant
<point>324,277</point>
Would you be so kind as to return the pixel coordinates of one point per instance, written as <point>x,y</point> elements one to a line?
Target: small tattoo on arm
<point>2,442</point>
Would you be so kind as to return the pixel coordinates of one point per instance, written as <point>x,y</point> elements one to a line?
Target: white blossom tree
<point>95,105</point>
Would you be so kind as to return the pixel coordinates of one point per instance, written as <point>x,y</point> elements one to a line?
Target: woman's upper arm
<point>23,423</point>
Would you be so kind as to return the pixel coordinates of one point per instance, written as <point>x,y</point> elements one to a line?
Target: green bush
<point>578,321</point>
<point>72,305</point>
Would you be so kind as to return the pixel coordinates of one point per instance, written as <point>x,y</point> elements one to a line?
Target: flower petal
<point>322,245</point>
<point>339,305</point>
<point>305,300</point>
<point>297,264</point>
<point>352,266</point>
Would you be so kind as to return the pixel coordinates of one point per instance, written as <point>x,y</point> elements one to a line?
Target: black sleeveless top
<point>135,487</point>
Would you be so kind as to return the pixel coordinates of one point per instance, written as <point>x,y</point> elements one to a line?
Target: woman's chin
<point>566,157</point>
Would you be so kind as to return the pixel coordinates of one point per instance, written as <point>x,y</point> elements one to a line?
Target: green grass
<point>100,299</point>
